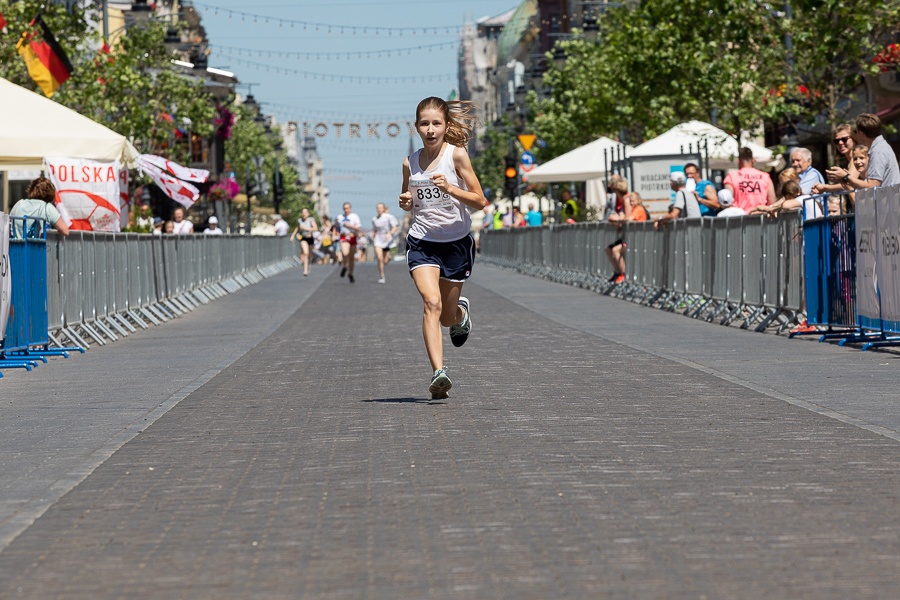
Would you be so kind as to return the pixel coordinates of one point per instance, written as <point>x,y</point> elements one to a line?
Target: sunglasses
<point>842,140</point>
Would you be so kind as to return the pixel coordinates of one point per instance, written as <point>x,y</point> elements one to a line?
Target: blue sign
<point>527,159</point>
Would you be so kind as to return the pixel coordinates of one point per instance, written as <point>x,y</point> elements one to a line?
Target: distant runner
<point>384,227</point>
<point>350,227</point>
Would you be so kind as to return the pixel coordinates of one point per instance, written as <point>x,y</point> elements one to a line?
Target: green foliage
<point>664,62</point>
<point>488,163</point>
<point>250,139</point>
<point>129,90</point>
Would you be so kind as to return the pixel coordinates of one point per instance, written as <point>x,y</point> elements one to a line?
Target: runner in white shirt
<point>384,227</point>
<point>439,189</point>
<point>181,226</point>
<point>350,227</point>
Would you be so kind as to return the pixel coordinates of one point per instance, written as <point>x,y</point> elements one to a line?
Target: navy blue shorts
<point>455,259</point>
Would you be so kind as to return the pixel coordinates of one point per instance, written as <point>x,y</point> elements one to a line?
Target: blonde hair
<point>789,174</point>
<point>620,187</point>
<point>864,150</point>
<point>636,199</point>
<point>459,115</point>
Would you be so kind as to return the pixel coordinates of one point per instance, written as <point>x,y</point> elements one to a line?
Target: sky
<point>365,74</point>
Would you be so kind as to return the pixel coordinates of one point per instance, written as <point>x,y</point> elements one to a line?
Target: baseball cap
<point>213,219</point>
<point>726,198</point>
<point>676,176</point>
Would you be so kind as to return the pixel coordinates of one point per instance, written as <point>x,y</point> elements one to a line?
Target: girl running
<point>439,186</point>
<point>306,227</point>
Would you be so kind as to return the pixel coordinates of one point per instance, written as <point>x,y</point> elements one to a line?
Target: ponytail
<point>460,117</point>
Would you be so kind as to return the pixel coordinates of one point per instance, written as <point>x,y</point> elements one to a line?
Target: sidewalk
<point>590,449</point>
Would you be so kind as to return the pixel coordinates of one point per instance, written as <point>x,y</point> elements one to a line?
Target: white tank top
<point>437,216</point>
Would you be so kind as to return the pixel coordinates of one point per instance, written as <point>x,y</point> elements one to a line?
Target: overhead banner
<point>868,307</point>
<point>87,192</point>
<point>350,131</point>
<point>5,277</point>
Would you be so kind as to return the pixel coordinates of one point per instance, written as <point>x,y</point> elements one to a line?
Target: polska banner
<point>5,276</point>
<point>172,178</point>
<point>87,192</point>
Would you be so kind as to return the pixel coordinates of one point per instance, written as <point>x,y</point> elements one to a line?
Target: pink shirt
<point>751,187</point>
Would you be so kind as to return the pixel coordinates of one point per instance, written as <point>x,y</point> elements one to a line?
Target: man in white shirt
<point>182,226</point>
<point>281,226</point>
<point>213,228</point>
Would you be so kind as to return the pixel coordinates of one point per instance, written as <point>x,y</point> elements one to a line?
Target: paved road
<point>277,444</point>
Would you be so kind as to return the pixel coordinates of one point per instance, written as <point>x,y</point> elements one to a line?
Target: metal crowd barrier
<point>103,286</point>
<point>743,270</point>
<point>26,339</point>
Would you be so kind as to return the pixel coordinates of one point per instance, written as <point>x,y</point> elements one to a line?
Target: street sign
<point>527,139</point>
<point>527,159</point>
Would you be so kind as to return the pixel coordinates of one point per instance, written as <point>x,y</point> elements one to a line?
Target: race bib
<point>427,195</point>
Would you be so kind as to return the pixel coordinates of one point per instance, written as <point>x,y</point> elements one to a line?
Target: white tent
<point>722,148</point>
<point>580,164</point>
<point>32,127</point>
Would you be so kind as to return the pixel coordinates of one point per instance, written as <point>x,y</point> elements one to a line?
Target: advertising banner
<point>87,192</point>
<point>868,307</point>
<point>5,276</point>
<point>888,212</point>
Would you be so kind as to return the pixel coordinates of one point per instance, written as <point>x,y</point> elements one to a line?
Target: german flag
<point>47,64</point>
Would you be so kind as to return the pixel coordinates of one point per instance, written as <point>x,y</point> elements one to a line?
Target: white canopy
<point>722,148</point>
<point>581,164</point>
<point>32,127</point>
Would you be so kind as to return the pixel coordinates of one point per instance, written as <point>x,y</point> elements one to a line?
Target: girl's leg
<point>451,311</point>
<point>428,283</point>
<point>304,256</point>
<point>379,256</point>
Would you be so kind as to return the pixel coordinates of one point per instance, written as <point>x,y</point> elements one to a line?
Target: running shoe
<point>620,278</point>
<point>343,271</point>
<point>613,278</point>
<point>381,280</point>
<point>440,384</point>
<point>459,333</point>
<point>351,278</point>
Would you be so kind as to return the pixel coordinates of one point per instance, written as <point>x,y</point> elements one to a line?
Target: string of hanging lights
<point>390,52</point>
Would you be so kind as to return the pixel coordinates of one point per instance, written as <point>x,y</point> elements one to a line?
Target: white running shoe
<point>440,384</point>
<point>459,333</point>
<point>381,280</point>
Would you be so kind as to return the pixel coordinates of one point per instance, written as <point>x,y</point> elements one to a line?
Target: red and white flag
<point>173,178</point>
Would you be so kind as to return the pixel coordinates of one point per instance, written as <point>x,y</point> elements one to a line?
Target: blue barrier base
<point>28,365</point>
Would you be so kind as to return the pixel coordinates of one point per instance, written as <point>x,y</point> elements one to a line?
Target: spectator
<point>157,226</point>
<point>143,221</point>
<point>639,212</point>
<point>791,200</point>
<point>169,227</point>
<point>704,191</point>
<point>569,206</point>
<point>789,174</point>
<point>38,203</point>
<point>685,205</point>
<point>801,161</point>
<point>507,218</point>
<point>860,166</point>
<point>497,219</point>
<point>726,200</point>
<point>843,146</point>
<point>181,226</point>
<point>749,186</point>
<point>534,218</point>
<point>611,196</point>
<point>518,219</point>
<point>621,212</point>
<point>281,226</point>
<point>213,228</point>
<point>883,169</point>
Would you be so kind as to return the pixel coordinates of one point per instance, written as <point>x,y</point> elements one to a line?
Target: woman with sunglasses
<point>843,146</point>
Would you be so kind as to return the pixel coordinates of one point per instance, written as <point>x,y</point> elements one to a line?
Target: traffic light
<point>511,175</point>
<point>279,191</point>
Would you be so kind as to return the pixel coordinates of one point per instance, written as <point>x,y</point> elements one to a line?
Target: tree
<point>134,89</point>
<point>488,163</point>
<point>835,42</point>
